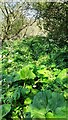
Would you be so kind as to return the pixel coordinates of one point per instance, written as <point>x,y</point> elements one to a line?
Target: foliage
<point>26,73</point>
<point>47,104</point>
<point>5,109</point>
<point>54,20</point>
<point>34,79</point>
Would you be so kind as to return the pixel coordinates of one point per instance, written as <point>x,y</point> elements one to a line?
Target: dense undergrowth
<point>34,79</point>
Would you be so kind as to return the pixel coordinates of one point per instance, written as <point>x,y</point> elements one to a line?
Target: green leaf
<point>26,73</point>
<point>66,94</point>
<point>20,90</point>
<point>40,100</point>
<point>27,101</point>
<point>63,75</point>
<point>25,91</point>
<point>49,115</point>
<point>61,112</point>
<point>57,100</point>
<point>17,78</point>
<point>44,102</point>
<point>5,108</point>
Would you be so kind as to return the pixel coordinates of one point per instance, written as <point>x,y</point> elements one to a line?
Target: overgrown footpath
<point>34,79</point>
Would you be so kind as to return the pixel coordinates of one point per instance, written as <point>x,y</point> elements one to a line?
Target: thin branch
<point>3,11</point>
<point>23,28</point>
<point>6,8</point>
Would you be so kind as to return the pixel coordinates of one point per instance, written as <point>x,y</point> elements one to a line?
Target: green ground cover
<point>34,79</point>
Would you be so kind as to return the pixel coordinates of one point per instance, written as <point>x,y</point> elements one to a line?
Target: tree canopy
<point>55,22</point>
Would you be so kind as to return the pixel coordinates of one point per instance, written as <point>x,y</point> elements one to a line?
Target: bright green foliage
<point>46,101</point>
<point>34,78</point>
<point>63,75</point>
<point>26,73</point>
<point>27,101</point>
<point>47,75</point>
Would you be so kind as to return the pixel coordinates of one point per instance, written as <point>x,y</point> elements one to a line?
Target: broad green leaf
<point>44,102</point>
<point>40,100</point>
<point>61,112</point>
<point>63,75</point>
<point>26,73</point>
<point>5,108</point>
<point>57,100</point>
